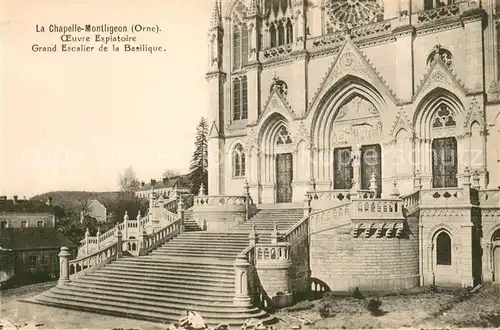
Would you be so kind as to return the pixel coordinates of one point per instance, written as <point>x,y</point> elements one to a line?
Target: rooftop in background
<point>33,238</point>
<point>181,181</point>
<point>24,205</point>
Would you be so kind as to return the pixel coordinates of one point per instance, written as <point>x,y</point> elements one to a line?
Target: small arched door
<point>284,178</point>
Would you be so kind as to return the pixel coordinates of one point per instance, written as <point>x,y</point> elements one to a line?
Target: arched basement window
<point>443,249</point>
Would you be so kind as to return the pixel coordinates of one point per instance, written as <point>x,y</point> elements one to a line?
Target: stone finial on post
<point>252,237</point>
<point>274,234</point>
<point>201,192</point>
<point>139,215</point>
<point>63,266</point>
<point>373,185</point>
<point>395,191</point>
<point>181,211</point>
<point>241,297</point>
<point>417,181</point>
<point>175,193</point>
<point>87,234</point>
<point>119,244</point>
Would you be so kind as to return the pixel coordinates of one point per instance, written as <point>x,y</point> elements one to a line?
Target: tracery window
<point>443,53</point>
<point>431,4</point>
<point>347,14</point>
<point>443,249</point>
<point>280,32</point>
<point>240,98</point>
<point>443,118</point>
<point>240,46</point>
<point>238,161</point>
<point>283,137</point>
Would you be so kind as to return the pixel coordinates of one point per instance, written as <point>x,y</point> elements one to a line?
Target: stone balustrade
<point>220,213</point>
<point>489,197</point>
<point>208,201</point>
<point>411,200</point>
<point>444,196</point>
<point>377,209</point>
<point>275,52</point>
<point>272,252</point>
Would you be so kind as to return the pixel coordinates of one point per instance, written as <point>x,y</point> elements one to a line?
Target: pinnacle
<point>216,16</point>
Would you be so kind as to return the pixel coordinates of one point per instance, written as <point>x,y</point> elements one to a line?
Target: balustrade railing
<point>278,51</point>
<point>442,12</point>
<point>376,208</point>
<point>83,264</point>
<point>440,196</point>
<point>272,252</point>
<point>336,194</point>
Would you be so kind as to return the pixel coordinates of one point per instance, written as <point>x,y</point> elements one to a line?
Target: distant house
<point>165,187</point>
<point>29,242</point>
<point>97,210</point>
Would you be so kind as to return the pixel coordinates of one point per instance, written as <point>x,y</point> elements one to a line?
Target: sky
<point>75,121</point>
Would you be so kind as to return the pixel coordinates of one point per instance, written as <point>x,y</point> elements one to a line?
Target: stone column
<point>247,200</point>
<point>125,224</point>
<point>119,244</point>
<point>241,296</point>
<point>465,256</point>
<point>63,266</point>
<point>487,264</point>
<point>356,159</point>
<point>307,204</point>
<point>274,234</point>
<point>252,237</point>
<point>87,234</point>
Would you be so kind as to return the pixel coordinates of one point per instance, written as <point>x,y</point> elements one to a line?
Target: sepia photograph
<point>249,164</point>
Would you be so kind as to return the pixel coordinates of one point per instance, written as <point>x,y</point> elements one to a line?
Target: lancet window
<point>240,98</point>
<point>280,32</point>
<point>240,46</point>
<point>238,161</point>
<point>443,249</point>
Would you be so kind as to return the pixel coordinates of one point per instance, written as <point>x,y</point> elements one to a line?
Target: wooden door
<point>284,177</point>
<point>342,168</point>
<point>444,163</point>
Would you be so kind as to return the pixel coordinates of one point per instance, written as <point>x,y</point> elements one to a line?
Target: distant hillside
<point>72,197</point>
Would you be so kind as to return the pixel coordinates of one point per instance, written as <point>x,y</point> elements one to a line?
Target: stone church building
<point>335,98</point>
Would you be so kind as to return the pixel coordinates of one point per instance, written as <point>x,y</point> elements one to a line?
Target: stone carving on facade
<point>350,61</point>
<point>439,73</point>
<point>441,212</point>
<point>358,107</point>
<point>377,230</point>
<point>279,86</point>
<point>356,132</point>
<point>402,122</point>
<point>302,134</point>
<point>474,113</point>
<point>347,14</point>
<point>443,54</point>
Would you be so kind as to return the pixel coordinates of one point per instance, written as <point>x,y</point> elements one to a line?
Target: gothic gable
<point>214,131</point>
<point>439,75</point>
<point>474,113</point>
<point>276,103</point>
<point>401,121</point>
<point>350,61</point>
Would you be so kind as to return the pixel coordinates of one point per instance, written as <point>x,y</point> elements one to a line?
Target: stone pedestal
<point>63,266</point>
<point>241,297</point>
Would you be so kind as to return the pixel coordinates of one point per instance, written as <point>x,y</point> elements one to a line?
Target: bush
<point>373,306</point>
<point>357,294</point>
<point>324,309</point>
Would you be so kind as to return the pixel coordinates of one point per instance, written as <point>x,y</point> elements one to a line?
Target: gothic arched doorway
<point>496,256</point>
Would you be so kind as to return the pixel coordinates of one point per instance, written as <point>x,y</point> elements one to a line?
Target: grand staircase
<point>194,271</point>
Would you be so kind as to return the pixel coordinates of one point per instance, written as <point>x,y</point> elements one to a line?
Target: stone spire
<point>216,16</point>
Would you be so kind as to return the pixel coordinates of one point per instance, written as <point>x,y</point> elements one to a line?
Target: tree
<point>198,169</point>
<point>170,174</point>
<point>128,181</point>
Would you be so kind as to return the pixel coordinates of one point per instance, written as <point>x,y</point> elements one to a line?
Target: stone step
<point>220,267</point>
<point>208,245</point>
<point>154,269</point>
<point>165,283</point>
<point>147,287</point>
<point>102,294</point>
<point>151,275</point>
<point>208,254</point>
<point>142,289</point>
<point>199,247</point>
<point>194,262</point>
<point>150,314</point>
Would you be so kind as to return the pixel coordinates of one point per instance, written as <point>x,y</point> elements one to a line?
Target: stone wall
<point>344,262</point>
<point>14,220</point>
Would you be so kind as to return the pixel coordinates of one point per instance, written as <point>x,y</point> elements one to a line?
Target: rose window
<point>347,14</point>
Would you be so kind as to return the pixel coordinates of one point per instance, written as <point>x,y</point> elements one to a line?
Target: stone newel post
<point>119,244</point>
<point>247,201</point>
<point>307,204</point>
<point>373,185</point>
<point>125,224</point>
<point>63,266</point>
<point>466,184</point>
<point>98,239</point>
<point>87,234</point>
<point>252,237</point>
<point>180,210</point>
<point>241,296</point>
<point>274,234</point>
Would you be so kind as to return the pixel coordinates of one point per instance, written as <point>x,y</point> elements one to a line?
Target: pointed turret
<point>216,21</point>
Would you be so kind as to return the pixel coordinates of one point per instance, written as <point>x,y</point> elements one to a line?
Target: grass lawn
<point>418,308</point>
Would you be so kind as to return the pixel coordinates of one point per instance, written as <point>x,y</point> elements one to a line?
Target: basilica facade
<point>298,89</point>
<point>338,98</point>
